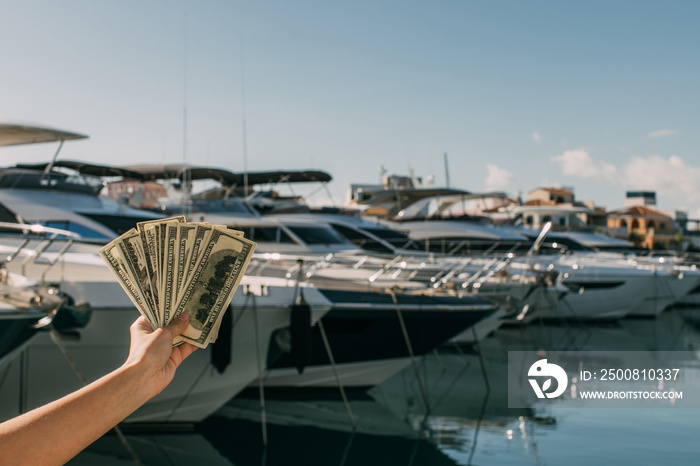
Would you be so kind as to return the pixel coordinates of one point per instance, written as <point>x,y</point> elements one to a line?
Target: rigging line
<point>263,416</point>
<point>346,452</point>
<point>482,413</point>
<point>446,394</point>
<point>201,374</point>
<point>61,347</point>
<point>392,293</point>
<point>335,373</point>
<point>189,391</point>
<point>481,361</point>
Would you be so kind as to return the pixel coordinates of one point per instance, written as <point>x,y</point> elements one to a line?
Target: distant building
<point>558,205</point>
<point>642,198</point>
<point>644,226</point>
<point>551,196</point>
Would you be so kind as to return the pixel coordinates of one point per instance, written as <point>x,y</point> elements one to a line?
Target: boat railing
<point>385,268</point>
<point>442,277</point>
<point>48,236</point>
<point>479,273</point>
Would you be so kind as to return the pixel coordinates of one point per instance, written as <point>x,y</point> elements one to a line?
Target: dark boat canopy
<point>85,168</point>
<point>17,134</point>
<point>225,177</point>
<point>305,176</point>
<point>151,172</point>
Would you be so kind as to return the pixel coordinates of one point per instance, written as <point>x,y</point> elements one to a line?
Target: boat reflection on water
<point>296,445</point>
<point>473,424</point>
<point>456,414</point>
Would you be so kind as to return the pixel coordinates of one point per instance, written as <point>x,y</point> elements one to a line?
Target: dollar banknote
<point>168,267</point>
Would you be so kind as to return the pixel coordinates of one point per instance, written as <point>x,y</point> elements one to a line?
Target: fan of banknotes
<point>170,266</point>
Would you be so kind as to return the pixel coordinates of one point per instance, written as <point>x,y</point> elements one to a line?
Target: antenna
<point>245,139</point>
<point>49,165</point>
<point>447,171</point>
<point>185,172</point>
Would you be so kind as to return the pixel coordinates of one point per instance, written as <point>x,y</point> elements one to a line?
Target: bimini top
<point>17,134</point>
<point>225,177</point>
<point>84,168</point>
<point>176,171</point>
<point>288,176</point>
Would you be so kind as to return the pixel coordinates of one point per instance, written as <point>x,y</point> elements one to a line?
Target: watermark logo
<point>542,369</point>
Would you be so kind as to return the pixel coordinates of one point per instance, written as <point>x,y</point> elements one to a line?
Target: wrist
<point>138,382</point>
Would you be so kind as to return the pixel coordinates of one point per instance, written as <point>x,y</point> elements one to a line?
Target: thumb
<point>178,325</point>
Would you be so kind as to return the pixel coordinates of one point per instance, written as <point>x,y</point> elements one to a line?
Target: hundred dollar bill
<point>152,242</point>
<point>211,286</point>
<point>192,252</point>
<point>169,272</point>
<point>130,248</point>
<point>117,263</point>
<point>165,237</point>
<point>148,247</point>
<point>185,239</point>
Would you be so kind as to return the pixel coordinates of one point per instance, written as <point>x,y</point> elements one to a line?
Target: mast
<point>447,171</point>
<point>185,182</point>
<point>243,110</point>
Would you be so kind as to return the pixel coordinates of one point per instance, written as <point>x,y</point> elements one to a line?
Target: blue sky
<point>598,95</point>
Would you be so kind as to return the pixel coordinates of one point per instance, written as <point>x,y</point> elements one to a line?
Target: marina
<point>370,233</point>
<point>352,340</point>
<point>466,424</point>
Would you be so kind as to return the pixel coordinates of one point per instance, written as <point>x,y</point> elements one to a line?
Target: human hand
<point>153,352</point>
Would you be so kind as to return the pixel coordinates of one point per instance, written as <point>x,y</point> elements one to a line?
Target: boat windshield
<point>264,234</point>
<point>221,205</point>
<point>228,206</point>
<point>73,227</point>
<point>317,235</point>
<point>361,239</point>
<point>395,238</point>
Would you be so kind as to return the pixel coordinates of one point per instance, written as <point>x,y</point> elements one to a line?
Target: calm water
<point>466,423</point>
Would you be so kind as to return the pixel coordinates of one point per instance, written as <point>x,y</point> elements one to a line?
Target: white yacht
<point>44,369</point>
<point>205,381</point>
<point>363,327</point>
<point>602,288</point>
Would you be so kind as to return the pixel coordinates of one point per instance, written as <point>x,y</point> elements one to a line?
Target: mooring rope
<point>392,293</point>
<point>335,373</point>
<point>122,438</point>
<point>263,416</point>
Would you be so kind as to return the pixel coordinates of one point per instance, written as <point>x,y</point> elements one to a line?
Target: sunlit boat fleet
<point>334,297</point>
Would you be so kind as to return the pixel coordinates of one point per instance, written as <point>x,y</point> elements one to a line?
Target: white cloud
<point>498,179</point>
<point>671,178</point>
<point>579,163</point>
<point>537,137</point>
<point>661,133</point>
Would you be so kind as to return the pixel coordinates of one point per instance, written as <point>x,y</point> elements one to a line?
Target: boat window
<point>317,235</point>
<point>73,227</point>
<point>395,238</point>
<point>266,234</point>
<point>361,240</point>
<point>271,234</point>
<point>220,205</point>
<point>469,245</point>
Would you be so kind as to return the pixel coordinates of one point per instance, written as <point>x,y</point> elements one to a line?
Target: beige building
<point>558,205</point>
<point>644,226</point>
<point>551,196</point>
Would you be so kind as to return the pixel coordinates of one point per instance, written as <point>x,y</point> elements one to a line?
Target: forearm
<point>66,426</point>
